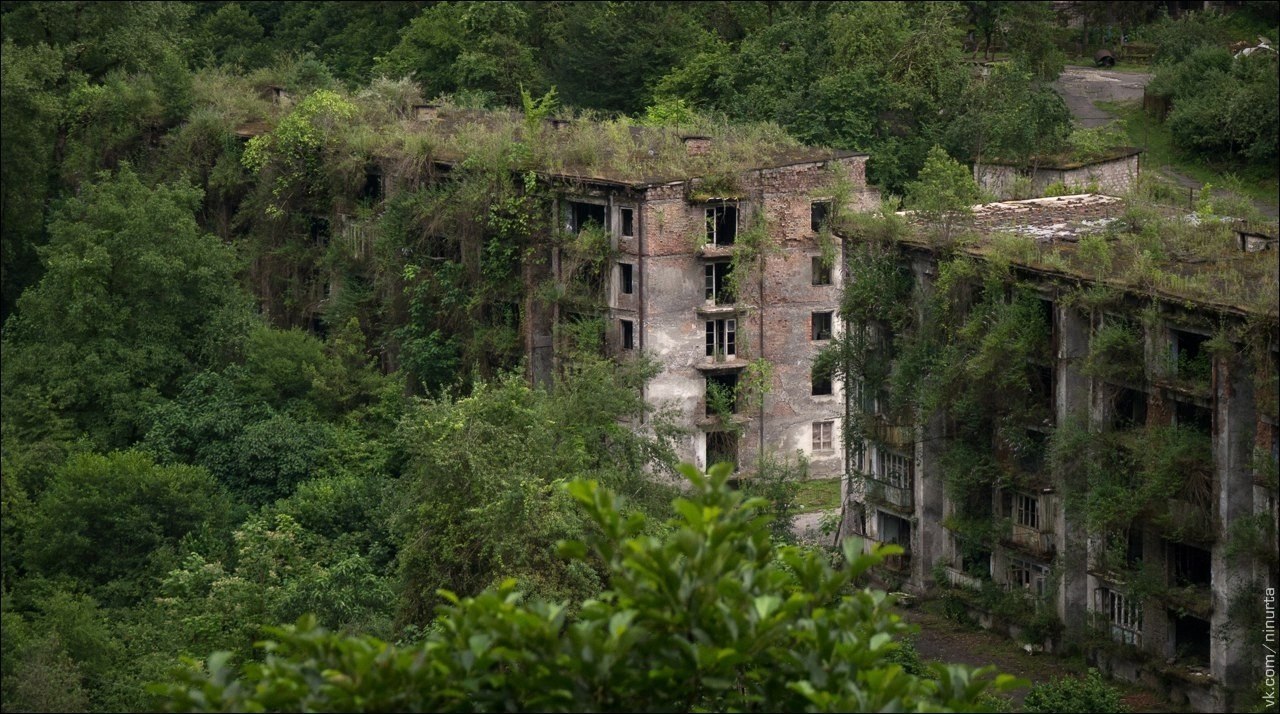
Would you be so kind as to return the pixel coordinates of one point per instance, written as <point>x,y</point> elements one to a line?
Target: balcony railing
<point>1032,540</point>
<point>897,496</point>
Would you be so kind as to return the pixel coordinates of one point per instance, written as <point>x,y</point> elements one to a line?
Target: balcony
<point>885,493</point>
<point>1032,540</point>
<point>892,434</point>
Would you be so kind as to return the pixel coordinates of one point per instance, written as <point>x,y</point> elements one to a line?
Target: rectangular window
<point>722,225</point>
<point>1026,576</point>
<point>821,272</point>
<point>716,282</point>
<point>625,278</point>
<point>628,221</point>
<point>821,326</point>
<point>628,335</point>
<point>1026,511</point>
<point>1123,616</point>
<point>722,394</point>
<point>824,435</point>
<point>894,469</point>
<point>722,446</point>
<point>722,338</point>
<point>820,384</point>
<point>819,212</point>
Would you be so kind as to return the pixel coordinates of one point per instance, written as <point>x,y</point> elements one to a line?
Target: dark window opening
<point>821,326</point>
<point>1192,416</point>
<point>1133,547</point>
<point>1032,452</point>
<point>716,282</point>
<point>819,212</point>
<point>722,338</point>
<point>625,277</point>
<point>821,271</point>
<point>1130,409</point>
<point>1190,640</point>
<point>1192,360</point>
<point>628,221</point>
<point>1042,393</point>
<point>722,447</point>
<point>1046,316</point>
<point>821,383</point>
<point>722,225</point>
<point>893,529</point>
<point>319,229</point>
<point>1190,565</point>
<point>722,394</point>
<point>580,215</point>
<point>628,335</point>
<point>975,561</point>
<point>373,187</point>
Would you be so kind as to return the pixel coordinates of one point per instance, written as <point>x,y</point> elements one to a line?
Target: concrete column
<point>1072,403</point>
<point>930,489</point>
<point>1234,427</point>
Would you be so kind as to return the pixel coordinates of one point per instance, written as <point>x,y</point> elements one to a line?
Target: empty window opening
<point>1192,416</point>
<point>820,384</point>
<point>579,215</point>
<point>1192,361</point>
<point>824,435</point>
<point>821,271</point>
<point>1190,640</point>
<point>722,339</point>
<point>1042,392</point>
<point>972,558</point>
<point>893,529</point>
<point>1130,409</point>
<point>1190,566</point>
<point>372,189</point>
<point>1032,453</point>
<point>821,326</point>
<point>1123,616</point>
<point>717,282</point>
<point>819,214</point>
<point>1133,547</point>
<point>628,335</point>
<point>722,447</point>
<point>628,221</point>
<point>722,225</point>
<point>626,278</point>
<point>319,230</point>
<point>722,394</point>
<point>1046,316</point>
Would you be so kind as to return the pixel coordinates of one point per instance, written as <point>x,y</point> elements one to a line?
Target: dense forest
<point>203,436</point>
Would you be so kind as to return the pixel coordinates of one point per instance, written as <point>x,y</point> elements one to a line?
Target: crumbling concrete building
<point>1128,509</point>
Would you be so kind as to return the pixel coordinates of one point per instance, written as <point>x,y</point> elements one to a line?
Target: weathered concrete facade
<point>686,317</point>
<point>1184,634</point>
<point>1113,176</point>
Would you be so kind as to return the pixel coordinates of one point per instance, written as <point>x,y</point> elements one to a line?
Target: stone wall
<point>1114,177</point>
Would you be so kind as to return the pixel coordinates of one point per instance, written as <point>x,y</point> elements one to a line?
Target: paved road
<point>1080,87</point>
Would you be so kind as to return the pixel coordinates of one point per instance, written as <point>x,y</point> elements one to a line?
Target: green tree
<point>944,192</point>
<point>109,521</point>
<point>134,299</point>
<point>467,46</point>
<point>711,616</point>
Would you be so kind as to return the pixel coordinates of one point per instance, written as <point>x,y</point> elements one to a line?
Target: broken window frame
<point>1124,618</point>
<point>819,214</point>
<point>894,468</point>
<point>821,384</point>
<point>722,342</point>
<point>626,222</point>
<point>1026,575</point>
<point>719,231</point>
<point>716,283</point>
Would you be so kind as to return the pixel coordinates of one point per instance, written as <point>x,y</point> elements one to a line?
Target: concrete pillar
<point>930,489</point>
<point>1072,403</point>
<point>1233,438</point>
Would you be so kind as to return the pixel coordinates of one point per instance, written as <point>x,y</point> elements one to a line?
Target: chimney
<point>426,112</point>
<point>696,145</point>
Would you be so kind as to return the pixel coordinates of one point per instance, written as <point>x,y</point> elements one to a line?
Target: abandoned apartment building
<point>1172,596</point>
<point>679,213</point>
